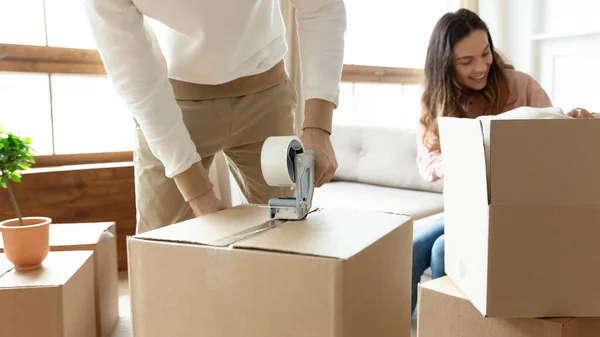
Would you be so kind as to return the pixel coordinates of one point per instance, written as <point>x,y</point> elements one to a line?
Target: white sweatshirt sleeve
<point>138,70</point>
<point>321,28</point>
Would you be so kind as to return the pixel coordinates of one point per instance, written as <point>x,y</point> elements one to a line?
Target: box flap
<point>559,320</point>
<point>443,285</point>
<point>335,233</point>
<point>542,162</point>
<point>463,155</point>
<point>524,112</point>
<point>76,234</point>
<point>212,228</point>
<point>57,269</point>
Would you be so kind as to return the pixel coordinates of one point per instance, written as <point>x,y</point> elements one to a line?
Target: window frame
<point>59,60</point>
<point>50,60</point>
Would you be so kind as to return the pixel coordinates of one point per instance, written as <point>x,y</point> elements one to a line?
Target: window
<point>379,104</point>
<point>67,26</point>
<point>25,98</point>
<point>52,74</point>
<point>89,116</point>
<point>22,22</point>
<point>391,33</point>
<point>54,23</point>
<point>386,43</point>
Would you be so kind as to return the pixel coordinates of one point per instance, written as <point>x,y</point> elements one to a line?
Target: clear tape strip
<point>252,231</point>
<point>247,233</point>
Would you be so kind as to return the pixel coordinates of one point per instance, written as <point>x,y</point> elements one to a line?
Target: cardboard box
<point>54,301</point>
<point>445,311</point>
<point>526,247</point>
<point>99,237</point>
<point>234,273</point>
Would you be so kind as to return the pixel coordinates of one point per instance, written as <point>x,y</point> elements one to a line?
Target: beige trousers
<point>237,126</point>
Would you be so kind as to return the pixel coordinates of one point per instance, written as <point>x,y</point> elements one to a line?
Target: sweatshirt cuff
<point>318,113</point>
<point>193,182</point>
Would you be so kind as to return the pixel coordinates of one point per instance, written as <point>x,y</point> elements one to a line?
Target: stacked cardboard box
<point>521,229</point>
<point>235,273</point>
<point>54,301</point>
<point>444,311</point>
<point>97,239</point>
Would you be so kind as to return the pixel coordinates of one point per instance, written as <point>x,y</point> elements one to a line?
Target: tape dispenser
<point>285,163</point>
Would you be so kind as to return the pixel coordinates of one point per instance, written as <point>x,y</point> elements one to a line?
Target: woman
<point>466,78</point>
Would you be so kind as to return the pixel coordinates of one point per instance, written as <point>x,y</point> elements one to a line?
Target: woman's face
<point>472,59</point>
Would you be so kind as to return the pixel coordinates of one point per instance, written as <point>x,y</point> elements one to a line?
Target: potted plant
<point>26,239</point>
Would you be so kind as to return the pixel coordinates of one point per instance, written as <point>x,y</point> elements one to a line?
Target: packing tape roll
<point>276,163</point>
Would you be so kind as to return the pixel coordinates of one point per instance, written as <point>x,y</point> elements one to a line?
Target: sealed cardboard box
<point>444,311</point>
<point>56,300</point>
<point>235,273</point>
<point>522,242</point>
<point>99,237</point>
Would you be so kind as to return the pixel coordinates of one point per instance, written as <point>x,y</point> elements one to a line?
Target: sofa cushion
<point>418,204</point>
<point>380,156</point>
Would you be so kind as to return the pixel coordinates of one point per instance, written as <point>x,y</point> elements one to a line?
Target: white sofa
<point>378,171</point>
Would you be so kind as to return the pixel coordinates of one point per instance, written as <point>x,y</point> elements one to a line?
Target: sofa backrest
<point>379,156</point>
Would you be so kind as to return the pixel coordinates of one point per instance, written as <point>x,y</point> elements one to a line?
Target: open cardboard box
<point>523,243</point>
<point>235,273</point>
<point>445,311</point>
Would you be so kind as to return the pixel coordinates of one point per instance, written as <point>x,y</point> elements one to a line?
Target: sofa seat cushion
<point>418,204</point>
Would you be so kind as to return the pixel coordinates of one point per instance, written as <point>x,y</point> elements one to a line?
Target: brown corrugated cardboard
<point>101,238</point>
<point>444,311</point>
<point>54,301</point>
<point>527,250</point>
<point>234,273</point>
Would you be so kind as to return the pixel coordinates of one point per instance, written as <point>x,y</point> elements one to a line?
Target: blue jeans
<point>428,251</point>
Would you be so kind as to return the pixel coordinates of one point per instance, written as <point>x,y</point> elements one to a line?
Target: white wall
<point>510,23</point>
<point>556,41</point>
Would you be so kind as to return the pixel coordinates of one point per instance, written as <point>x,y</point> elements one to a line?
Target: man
<point>204,76</point>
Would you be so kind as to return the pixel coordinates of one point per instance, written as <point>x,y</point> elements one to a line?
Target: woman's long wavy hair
<point>442,91</point>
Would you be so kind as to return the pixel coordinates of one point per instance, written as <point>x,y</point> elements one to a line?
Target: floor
<point>123,328</point>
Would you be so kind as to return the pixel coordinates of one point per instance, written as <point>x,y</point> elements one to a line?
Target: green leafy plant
<point>15,156</point>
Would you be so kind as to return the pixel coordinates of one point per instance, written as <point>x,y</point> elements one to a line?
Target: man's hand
<point>206,204</point>
<point>325,162</point>
<point>580,113</point>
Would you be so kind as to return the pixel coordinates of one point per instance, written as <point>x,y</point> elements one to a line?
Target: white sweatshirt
<point>207,42</point>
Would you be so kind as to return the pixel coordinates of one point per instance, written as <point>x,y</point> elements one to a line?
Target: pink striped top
<point>523,91</point>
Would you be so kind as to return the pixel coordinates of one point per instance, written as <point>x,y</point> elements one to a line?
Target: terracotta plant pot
<point>26,246</point>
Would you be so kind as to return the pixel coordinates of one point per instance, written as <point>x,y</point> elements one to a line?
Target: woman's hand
<point>580,113</point>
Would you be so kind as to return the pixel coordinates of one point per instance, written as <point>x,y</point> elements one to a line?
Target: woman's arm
<point>537,97</point>
<point>429,161</point>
